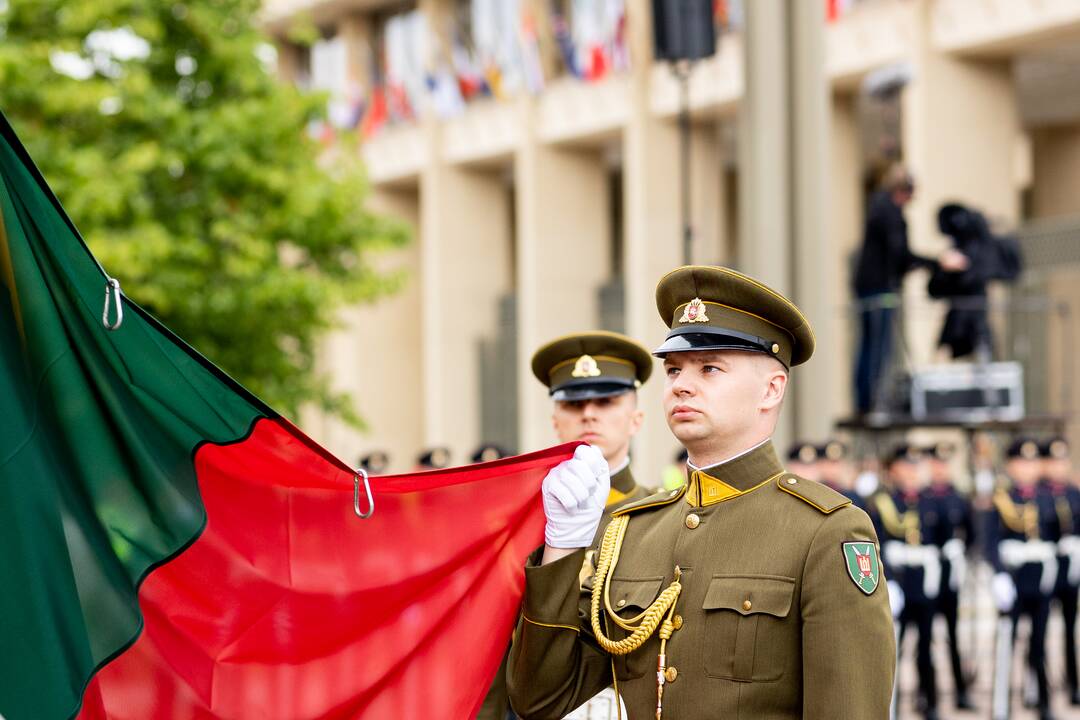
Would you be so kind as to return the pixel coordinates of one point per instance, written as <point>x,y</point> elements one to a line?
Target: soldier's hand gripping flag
<point>172,548</point>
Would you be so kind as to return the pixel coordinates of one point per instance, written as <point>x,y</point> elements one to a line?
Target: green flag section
<point>170,548</point>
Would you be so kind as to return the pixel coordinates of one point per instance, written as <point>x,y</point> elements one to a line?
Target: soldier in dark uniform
<point>375,463</point>
<point>488,452</point>
<point>906,518</point>
<point>592,379</point>
<point>802,460</point>
<point>955,534</point>
<point>1021,545</point>
<point>435,458</point>
<point>1057,474</point>
<point>750,592</point>
<point>835,472</point>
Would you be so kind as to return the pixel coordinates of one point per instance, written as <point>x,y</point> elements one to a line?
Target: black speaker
<point>683,29</point>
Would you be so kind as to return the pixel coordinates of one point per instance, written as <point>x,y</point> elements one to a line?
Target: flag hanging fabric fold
<point>172,548</point>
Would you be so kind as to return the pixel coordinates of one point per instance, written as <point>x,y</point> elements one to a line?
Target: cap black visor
<point>590,389</point>
<point>686,339</point>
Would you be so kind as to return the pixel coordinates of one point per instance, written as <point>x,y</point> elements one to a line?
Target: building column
<point>961,135</point>
<point>653,236</point>
<point>783,187</point>
<point>379,348</point>
<point>465,268</point>
<point>845,239</point>
<point>563,231</point>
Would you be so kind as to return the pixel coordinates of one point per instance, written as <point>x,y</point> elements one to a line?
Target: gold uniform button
<point>676,622</point>
<point>747,605</point>
<point>671,673</point>
<point>621,603</point>
<point>692,521</point>
<point>791,481</point>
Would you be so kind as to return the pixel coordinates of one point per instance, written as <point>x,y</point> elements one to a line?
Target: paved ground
<point>977,630</point>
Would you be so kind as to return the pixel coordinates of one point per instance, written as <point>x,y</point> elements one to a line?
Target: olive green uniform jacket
<point>771,623</point>
<point>624,490</point>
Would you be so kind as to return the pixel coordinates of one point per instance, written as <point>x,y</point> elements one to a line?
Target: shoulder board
<point>812,493</point>
<point>661,498</point>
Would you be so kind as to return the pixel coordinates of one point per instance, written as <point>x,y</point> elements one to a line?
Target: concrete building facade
<point>554,205</point>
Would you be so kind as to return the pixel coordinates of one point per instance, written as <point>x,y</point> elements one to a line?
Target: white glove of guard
<point>1004,591</point>
<point>575,492</point>
<point>896,598</point>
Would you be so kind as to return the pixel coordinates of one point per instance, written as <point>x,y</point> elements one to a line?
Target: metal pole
<point>682,72</point>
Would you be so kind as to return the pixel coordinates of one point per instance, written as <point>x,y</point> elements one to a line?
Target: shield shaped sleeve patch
<point>863,565</point>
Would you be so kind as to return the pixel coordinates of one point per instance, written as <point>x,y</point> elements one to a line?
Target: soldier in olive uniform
<point>906,519</point>
<point>748,593</point>
<point>1021,547</point>
<point>954,534</point>
<point>592,379</point>
<point>1057,474</point>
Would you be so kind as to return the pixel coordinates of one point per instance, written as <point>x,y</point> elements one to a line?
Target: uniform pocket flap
<point>634,593</point>
<point>749,594</point>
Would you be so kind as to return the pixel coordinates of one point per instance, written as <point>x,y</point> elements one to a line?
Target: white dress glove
<point>1004,591</point>
<point>575,492</point>
<point>896,598</point>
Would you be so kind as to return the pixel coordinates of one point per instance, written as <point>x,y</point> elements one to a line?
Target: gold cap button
<point>621,603</point>
<point>775,348</point>
<point>671,673</point>
<point>676,622</point>
<point>791,481</point>
<point>692,521</point>
<point>747,605</point>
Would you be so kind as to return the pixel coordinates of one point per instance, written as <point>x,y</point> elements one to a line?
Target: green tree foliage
<point>187,166</point>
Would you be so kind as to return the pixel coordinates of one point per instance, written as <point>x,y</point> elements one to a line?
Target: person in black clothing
<point>1057,475</point>
<point>967,329</point>
<point>884,260</point>
<point>955,533</point>
<point>1021,546</point>
<point>905,519</point>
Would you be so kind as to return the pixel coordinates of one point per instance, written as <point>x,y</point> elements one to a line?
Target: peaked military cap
<point>435,458</point>
<point>375,462</point>
<point>942,451</point>
<point>832,450</point>
<point>1056,448</point>
<point>591,365</point>
<point>905,453</point>
<point>803,452</point>
<point>716,308</point>
<point>1023,448</point>
<point>488,452</point>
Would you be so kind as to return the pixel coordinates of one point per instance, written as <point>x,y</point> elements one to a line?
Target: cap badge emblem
<point>694,312</point>
<point>586,367</point>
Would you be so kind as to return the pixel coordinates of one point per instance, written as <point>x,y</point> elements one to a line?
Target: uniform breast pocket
<point>629,598</point>
<point>747,634</point>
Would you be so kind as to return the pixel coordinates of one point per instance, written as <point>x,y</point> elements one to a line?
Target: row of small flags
<point>499,57</point>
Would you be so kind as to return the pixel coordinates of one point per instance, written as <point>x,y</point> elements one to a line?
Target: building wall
<point>513,197</point>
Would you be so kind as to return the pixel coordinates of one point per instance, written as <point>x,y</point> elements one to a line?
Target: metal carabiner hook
<point>356,495</point>
<point>112,297</point>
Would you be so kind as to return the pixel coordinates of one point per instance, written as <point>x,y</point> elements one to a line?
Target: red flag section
<point>290,606</point>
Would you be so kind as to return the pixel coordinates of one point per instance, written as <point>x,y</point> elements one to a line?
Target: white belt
<point>928,557</point>
<point>1017,553</point>
<point>1069,546</point>
<point>954,552</point>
